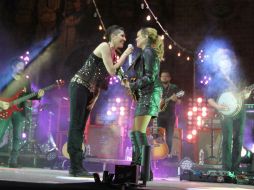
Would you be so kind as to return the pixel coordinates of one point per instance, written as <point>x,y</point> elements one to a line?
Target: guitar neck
<point>27,97</point>
<point>251,87</point>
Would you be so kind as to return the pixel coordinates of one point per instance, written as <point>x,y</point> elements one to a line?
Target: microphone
<point>130,56</point>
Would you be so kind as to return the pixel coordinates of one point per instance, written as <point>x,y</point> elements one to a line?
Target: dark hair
<point>112,30</point>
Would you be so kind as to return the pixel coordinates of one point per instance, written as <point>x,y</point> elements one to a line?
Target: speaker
<point>205,142</point>
<point>63,115</point>
<point>124,173</point>
<point>105,141</point>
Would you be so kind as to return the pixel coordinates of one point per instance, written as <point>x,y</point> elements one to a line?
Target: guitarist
<point>19,84</point>
<point>147,86</point>
<point>167,118</point>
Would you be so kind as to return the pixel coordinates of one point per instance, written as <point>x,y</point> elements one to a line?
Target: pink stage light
<point>199,100</point>
<point>189,136</point>
<point>118,100</point>
<point>194,132</point>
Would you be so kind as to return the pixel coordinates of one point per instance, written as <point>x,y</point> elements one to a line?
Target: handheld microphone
<point>130,56</point>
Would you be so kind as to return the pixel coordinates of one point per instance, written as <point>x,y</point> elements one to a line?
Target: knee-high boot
<point>143,141</point>
<point>135,148</point>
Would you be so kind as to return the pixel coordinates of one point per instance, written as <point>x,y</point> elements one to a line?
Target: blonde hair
<point>155,40</point>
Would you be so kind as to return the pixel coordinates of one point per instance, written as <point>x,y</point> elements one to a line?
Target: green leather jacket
<point>147,68</point>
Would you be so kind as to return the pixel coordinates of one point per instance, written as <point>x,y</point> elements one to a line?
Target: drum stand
<point>30,146</point>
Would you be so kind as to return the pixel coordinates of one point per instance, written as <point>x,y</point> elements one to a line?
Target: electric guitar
<point>156,137</point>
<point>10,105</point>
<point>233,101</point>
<point>164,103</point>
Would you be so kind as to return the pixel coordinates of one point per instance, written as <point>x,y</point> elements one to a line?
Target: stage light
<point>100,27</point>
<point>189,136</point>
<point>118,100</point>
<point>122,108</point>
<point>204,114</point>
<point>178,54</point>
<point>190,113</point>
<point>121,113</point>
<point>204,109</point>
<point>188,58</point>
<point>170,46</point>
<point>199,100</point>
<point>194,132</point>
<point>162,37</point>
<point>109,112</point>
<point>113,108</point>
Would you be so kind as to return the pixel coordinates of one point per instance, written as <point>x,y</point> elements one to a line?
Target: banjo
<point>234,102</point>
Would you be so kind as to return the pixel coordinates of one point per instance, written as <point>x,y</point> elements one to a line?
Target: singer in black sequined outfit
<point>147,88</point>
<point>84,89</point>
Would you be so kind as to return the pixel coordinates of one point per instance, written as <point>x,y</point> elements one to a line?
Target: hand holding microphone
<point>129,49</point>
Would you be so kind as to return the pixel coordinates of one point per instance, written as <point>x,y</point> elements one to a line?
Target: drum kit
<point>29,144</point>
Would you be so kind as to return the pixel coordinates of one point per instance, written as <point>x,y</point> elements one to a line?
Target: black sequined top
<point>94,73</point>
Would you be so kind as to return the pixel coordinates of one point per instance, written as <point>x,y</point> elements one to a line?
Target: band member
<point>226,79</point>
<point>85,87</point>
<point>167,115</point>
<point>147,87</point>
<point>20,84</point>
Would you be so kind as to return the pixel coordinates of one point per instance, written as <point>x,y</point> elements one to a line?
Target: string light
<point>144,4</point>
<point>99,15</point>
<point>148,17</point>
<point>166,33</point>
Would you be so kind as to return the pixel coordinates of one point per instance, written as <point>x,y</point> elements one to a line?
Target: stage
<point>41,178</point>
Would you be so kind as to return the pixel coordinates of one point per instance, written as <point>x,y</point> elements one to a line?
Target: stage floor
<point>40,178</point>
